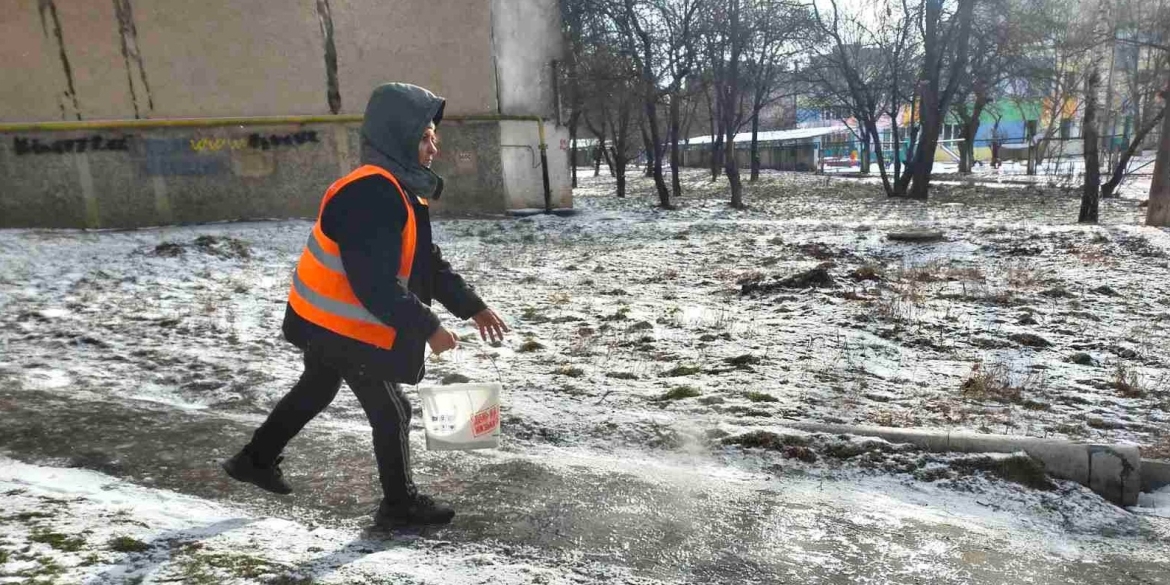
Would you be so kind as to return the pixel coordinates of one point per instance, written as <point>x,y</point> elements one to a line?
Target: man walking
<point>359,306</point>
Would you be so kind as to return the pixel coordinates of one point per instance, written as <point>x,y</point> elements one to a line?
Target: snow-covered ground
<point>655,521</point>
<point>636,375</point>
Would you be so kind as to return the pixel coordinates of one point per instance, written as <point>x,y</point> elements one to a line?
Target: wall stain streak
<point>333,91</point>
<point>71,93</point>
<point>130,50</point>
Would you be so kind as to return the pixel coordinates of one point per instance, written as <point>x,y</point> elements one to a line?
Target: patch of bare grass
<point>991,382</point>
<point>1159,449</point>
<point>680,393</point>
<point>1128,383</point>
<point>1026,275</point>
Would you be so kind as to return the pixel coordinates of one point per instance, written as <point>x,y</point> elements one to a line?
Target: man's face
<point>428,147</point>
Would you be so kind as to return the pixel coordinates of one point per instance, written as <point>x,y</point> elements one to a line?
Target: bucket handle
<point>481,352</point>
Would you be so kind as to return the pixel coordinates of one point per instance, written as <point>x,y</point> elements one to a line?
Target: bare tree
<point>1050,73</point>
<point>713,116</point>
<point>726,40</point>
<point>866,63</point>
<point>679,17</point>
<point>774,26</point>
<point>1158,213</point>
<point>573,22</point>
<point>1143,70</point>
<point>656,35</point>
<point>1091,192</point>
<point>945,42</point>
<point>1001,35</point>
<point>614,118</point>
<point>1121,166</point>
<point>610,86</point>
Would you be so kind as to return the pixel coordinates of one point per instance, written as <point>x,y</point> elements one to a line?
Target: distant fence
<point>1055,156</point>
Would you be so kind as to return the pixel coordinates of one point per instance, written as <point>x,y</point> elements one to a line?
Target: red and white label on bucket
<point>485,421</point>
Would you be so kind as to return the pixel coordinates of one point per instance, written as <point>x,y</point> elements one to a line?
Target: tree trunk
<point>731,167</point>
<point>675,121</point>
<point>865,150</point>
<point>716,124</point>
<point>995,162</point>
<point>1090,198</point>
<point>573,150</point>
<point>609,160</point>
<point>1108,190</point>
<point>965,162</point>
<point>648,147</point>
<point>1158,213</point>
<point>935,99</point>
<point>619,173</point>
<point>896,136</point>
<point>918,177</point>
<point>1030,129</point>
<point>717,152</point>
<point>970,131</point>
<point>655,141</point>
<point>755,150</point>
<point>871,133</point>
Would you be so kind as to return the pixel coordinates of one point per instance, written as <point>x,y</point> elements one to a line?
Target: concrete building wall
<point>526,37</point>
<point>76,60</point>
<point>520,158</point>
<point>443,45</point>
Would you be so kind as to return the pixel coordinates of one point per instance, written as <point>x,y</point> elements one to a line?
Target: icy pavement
<point>635,373</point>
<point>556,516</point>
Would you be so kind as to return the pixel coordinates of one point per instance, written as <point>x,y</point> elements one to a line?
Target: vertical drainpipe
<point>544,169</point>
<point>556,90</point>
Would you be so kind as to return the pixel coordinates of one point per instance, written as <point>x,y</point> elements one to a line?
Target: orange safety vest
<point>320,291</point>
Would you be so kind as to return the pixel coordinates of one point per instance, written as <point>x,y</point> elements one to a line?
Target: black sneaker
<point>243,468</point>
<point>418,511</point>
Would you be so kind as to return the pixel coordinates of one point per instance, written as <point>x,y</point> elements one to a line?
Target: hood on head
<point>396,117</point>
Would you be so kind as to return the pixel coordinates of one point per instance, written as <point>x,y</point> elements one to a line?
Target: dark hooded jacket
<point>366,218</point>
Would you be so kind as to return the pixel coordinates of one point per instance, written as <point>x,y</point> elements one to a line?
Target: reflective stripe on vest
<point>321,293</point>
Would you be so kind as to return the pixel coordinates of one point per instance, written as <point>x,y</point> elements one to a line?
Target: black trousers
<point>387,409</point>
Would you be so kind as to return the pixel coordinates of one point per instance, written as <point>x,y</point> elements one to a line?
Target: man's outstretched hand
<point>442,340</point>
<point>490,325</point>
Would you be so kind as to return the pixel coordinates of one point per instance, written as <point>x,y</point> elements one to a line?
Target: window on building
<point>952,131</point>
<point>1066,129</point>
<point>835,113</point>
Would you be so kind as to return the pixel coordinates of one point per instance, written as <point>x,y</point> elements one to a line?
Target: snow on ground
<point>1157,503</point>
<point>633,341</point>
<point>78,526</point>
<point>623,303</point>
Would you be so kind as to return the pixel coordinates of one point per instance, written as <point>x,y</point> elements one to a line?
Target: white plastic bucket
<point>461,417</point>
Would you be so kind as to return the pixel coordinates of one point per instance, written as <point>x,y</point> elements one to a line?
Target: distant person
<point>359,303</point>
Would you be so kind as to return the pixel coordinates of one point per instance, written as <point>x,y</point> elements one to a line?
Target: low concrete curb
<point>1113,471</point>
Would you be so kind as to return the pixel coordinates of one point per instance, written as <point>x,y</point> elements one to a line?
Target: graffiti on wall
<point>254,141</point>
<point>182,156</point>
<point>217,144</point>
<point>269,141</point>
<point>175,157</point>
<point>23,146</point>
